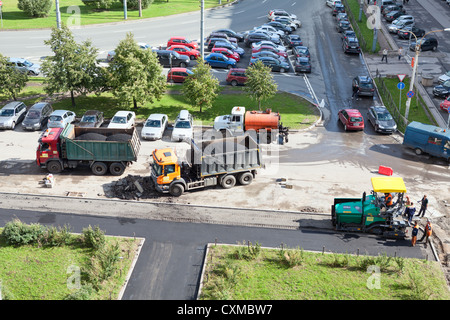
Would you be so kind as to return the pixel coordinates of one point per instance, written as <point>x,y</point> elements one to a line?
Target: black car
<point>231,33</point>
<point>338,8</point>
<point>381,119</point>
<point>168,58</point>
<point>365,85</point>
<point>392,8</point>
<point>301,51</point>
<point>302,64</point>
<point>351,45</point>
<point>442,90</point>
<point>391,16</point>
<point>405,33</point>
<point>425,44</point>
<point>255,37</point>
<point>294,40</point>
<point>91,119</point>
<point>348,34</point>
<point>274,64</point>
<point>37,116</point>
<point>343,26</point>
<point>279,26</point>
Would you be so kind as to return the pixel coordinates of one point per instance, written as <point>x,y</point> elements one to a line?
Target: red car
<point>268,48</point>
<point>191,53</point>
<point>182,41</point>
<point>445,105</point>
<point>178,75</point>
<point>351,119</point>
<point>227,53</point>
<point>236,76</point>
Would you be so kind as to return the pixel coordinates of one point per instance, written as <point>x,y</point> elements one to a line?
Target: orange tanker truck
<point>265,123</point>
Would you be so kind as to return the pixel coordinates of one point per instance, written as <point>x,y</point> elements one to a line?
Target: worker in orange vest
<point>427,232</point>
<point>415,232</point>
<point>388,199</point>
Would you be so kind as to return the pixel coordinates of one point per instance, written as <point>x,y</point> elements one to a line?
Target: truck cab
<point>165,168</point>
<point>233,122</point>
<point>48,147</point>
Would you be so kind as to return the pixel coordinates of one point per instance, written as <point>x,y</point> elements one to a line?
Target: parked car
<point>227,53</point>
<point>301,51</point>
<point>365,85</point>
<point>270,44</point>
<point>182,41</point>
<point>294,40</point>
<point>425,44</point>
<point>230,46</point>
<point>338,8</point>
<point>110,55</point>
<point>287,22</point>
<point>381,119</point>
<point>183,127</point>
<point>231,33</point>
<point>442,90</point>
<point>142,45</point>
<point>302,64</point>
<point>269,29</point>
<point>60,118</point>
<point>282,13</point>
<point>123,120</point>
<point>178,75</point>
<point>391,16</point>
<point>351,119</point>
<point>186,51</point>
<point>12,114</point>
<point>37,116</point>
<point>255,37</point>
<point>236,76</point>
<point>348,34</point>
<point>274,37</point>
<point>154,126</point>
<point>406,32</point>
<point>343,26</point>
<point>386,3</point>
<point>280,26</point>
<point>265,53</point>
<point>425,138</point>
<point>217,35</point>
<point>25,66</point>
<point>212,41</point>
<point>444,77</point>
<point>393,8</point>
<point>400,24</point>
<point>274,64</point>
<point>269,48</point>
<point>170,58</point>
<point>218,60</point>
<point>445,105</point>
<point>341,16</point>
<point>91,119</point>
<point>351,45</point>
<point>331,3</point>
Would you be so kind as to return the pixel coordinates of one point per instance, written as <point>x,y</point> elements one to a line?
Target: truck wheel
<point>176,190</point>
<point>116,169</point>
<point>54,167</point>
<point>99,168</point>
<point>228,182</point>
<point>418,151</point>
<point>246,178</point>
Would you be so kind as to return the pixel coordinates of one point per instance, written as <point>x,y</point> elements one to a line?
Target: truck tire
<point>418,151</point>
<point>116,169</point>
<point>54,167</point>
<point>228,181</point>
<point>99,168</point>
<point>176,189</point>
<point>245,178</point>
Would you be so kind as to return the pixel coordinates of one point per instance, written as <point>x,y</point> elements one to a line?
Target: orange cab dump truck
<point>102,149</point>
<point>240,121</point>
<point>209,163</point>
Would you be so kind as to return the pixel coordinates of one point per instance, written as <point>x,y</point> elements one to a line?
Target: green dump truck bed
<point>100,144</point>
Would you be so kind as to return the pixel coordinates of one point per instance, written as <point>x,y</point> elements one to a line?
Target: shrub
<point>55,237</point>
<point>93,238</point>
<point>35,8</point>
<point>84,293</point>
<point>291,257</point>
<point>134,4</point>
<point>99,4</point>
<point>18,233</point>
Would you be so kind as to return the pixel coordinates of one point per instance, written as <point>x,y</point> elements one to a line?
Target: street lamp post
<point>416,62</point>
<point>58,15</point>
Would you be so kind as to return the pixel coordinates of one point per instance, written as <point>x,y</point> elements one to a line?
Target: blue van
<point>425,138</point>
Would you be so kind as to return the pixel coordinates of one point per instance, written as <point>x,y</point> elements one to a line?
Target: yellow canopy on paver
<point>388,184</point>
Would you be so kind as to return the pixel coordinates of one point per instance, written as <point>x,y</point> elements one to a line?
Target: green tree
<point>72,67</point>
<point>35,8</point>
<point>135,74</point>
<point>260,84</point>
<point>12,81</point>
<point>201,87</point>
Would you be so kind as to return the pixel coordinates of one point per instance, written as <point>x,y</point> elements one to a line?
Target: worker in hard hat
<point>388,200</point>
<point>427,232</point>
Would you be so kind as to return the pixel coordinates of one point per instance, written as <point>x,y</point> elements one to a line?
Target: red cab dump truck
<point>241,121</point>
<point>102,149</point>
<point>209,163</point>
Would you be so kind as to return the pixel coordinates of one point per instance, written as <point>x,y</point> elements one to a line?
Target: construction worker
<point>388,200</point>
<point>423,206</point>
<point>415,232</point>
<point>427,232</point>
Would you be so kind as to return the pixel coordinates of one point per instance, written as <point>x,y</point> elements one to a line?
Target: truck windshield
<point>157,169</point>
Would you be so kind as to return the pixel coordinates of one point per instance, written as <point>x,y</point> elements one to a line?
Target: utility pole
<point>140,8</point>
<point>58,15</point>
<point>202,27</point>
<point>125,9</point>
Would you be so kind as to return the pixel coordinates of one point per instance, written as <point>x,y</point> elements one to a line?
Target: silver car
<point>25,66</point>
<point>11,114</point>
<point>381,120</point>
<point>60,118</point>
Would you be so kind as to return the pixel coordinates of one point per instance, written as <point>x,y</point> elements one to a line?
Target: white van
<point>183,129</point>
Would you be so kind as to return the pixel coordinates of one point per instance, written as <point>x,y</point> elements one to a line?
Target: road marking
<point>293,4</point>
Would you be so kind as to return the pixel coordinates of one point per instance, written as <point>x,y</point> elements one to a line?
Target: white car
<point>60,118</point>
<point>268,43</point>
<point>123,120</point>
<point>331,3</point>
<point>269,29</point>
<point>183,128</point>
<point>279,13</point>
<point>444,77</point>
<point>154,126</point>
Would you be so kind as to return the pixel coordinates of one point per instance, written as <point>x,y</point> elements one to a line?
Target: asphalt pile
<point>133,187</point>
<point>92,136</point>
